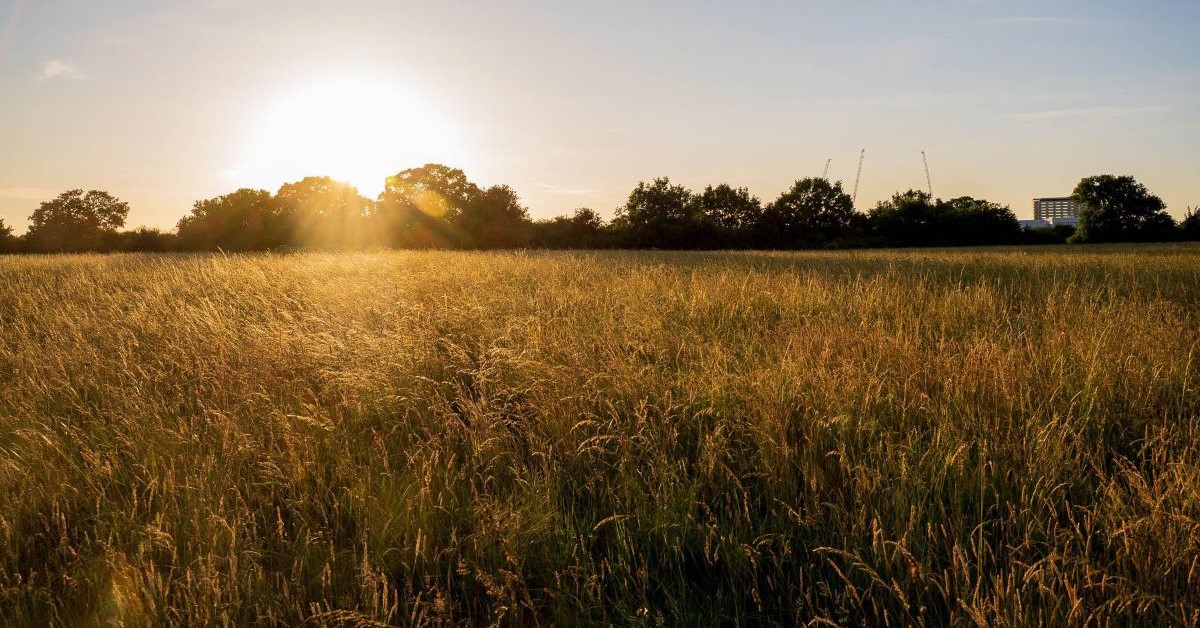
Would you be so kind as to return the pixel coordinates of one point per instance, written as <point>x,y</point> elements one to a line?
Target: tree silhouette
<point>438,206</point>
<point>977,222</point>
<point>8,242</point>
<point>660,214</point>
<point>583,230</point>
<point>1189,227</point>
<point>76,221</point>
<point>731,212</point>
<point>1119,209</point>
<point>418,205</point>
<point>144,239</point>
<point>492,219</point>
<point>812,212</point>
<point>324,213</point>
<point>244,220</point>
<point>907,219</point>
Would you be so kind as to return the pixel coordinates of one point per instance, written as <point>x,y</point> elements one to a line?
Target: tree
<point>914,218</point>
<point>324,213</point>
<point>244,220</point>
<point>582,230</point>
<point>1189,227</point>
<point>660,215</point>
<point>974,222</point>
<point>907,219</point>
<point>733,212</point>
<point>8,242</point>
<point>418,205</point>
<point>492,219</point>
<point>144,239</point>
<point>76,221</point>
<point>812,212</point>
<point>1119,209</point>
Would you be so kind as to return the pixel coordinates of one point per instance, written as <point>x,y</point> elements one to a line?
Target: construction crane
<point>858,177</point>
<point>825,175</point>
<point>928,180</point>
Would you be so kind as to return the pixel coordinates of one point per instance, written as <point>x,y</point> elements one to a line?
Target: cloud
<point>1087,112</point>
<point>56,68</point>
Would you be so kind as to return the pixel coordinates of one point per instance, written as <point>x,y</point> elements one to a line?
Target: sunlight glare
<point>353,130</point>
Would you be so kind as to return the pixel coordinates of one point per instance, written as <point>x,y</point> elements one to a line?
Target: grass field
<point>922,437</point>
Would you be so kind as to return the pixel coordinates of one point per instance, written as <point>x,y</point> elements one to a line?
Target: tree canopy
<point>728,208</point>
<point>245,220</point>
<point>914,218</point>
<point>1119,209</point>
<point>76,221</point>
<point>418,206</point>
<point>1189,227</point>
<point>661,214</point>
<point>8,242</point>
<point>324,213</point>
<point>436,206</point>
<point>812,212</point>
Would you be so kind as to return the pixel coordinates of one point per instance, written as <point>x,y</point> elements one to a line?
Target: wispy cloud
<point>1087,112</point>
<point>57,68</point>
<point>554,189</point>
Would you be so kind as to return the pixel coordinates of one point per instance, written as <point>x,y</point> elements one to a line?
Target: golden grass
<point>921,437</point>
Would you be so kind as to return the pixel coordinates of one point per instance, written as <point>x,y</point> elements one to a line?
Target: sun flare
<point>354,130</point>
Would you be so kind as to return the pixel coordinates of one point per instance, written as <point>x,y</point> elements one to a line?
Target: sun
<point>354,130</point>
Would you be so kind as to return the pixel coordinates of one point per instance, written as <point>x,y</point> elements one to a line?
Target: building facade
<point>1049,209</point>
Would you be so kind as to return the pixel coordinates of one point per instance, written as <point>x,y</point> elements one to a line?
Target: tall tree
<point>581,230</point>
<point>8,242</point>
<point>730,208</point>
<point>812,212</point>
<point>909,218</point>
<point>244,220</point>
<point>1119,209</point>
<point>1189,227</point>
<point>419,204</point>
<point>492,219</point>
<point>76,221</point>
<point>660,214</point>
<point>324,213</point>
<point>974,222</point>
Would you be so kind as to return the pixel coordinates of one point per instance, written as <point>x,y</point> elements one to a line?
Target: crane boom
<point>825,175</point>
<point>928,179</point>
<point>858,177</point>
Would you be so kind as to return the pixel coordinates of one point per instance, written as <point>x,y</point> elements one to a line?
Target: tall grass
<point>923,437</point>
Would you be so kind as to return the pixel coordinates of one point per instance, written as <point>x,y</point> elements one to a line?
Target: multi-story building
<point>1049,209</point>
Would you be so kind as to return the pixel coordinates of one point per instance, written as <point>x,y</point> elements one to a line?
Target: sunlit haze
<point>164,102</point>
<point>353,129</point>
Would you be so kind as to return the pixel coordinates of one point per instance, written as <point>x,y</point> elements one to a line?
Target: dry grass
<point>995,437</point>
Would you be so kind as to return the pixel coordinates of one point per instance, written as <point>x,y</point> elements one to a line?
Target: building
<point>1065,221</point>
<point>1036,223</point>
<point>1049,209</point>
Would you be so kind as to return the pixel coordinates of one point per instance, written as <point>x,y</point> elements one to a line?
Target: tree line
<point>436,206</point>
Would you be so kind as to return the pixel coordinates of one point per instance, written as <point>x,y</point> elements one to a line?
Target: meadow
<point>987,436</point>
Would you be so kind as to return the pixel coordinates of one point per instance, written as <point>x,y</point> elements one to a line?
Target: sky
<point>165,102</point>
